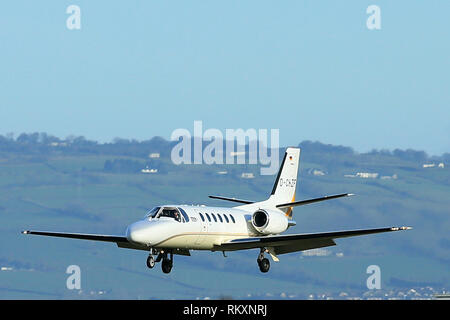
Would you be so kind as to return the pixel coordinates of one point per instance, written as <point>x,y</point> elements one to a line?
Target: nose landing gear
<point>166,257</point>
<point>263,263</point>
<point>151,261</point>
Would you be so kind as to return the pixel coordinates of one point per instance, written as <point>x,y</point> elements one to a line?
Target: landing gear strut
<point>166,259</point>
<point>263,263</point>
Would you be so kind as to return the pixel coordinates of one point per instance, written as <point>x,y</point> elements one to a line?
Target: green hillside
<point>73,190</point>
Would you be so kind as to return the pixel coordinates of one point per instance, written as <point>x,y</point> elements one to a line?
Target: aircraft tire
<point>166,265</point>
<point>150,262</point>
<point>264,265</point>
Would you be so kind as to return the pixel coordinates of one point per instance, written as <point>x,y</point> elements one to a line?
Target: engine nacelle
<point>269,222</point>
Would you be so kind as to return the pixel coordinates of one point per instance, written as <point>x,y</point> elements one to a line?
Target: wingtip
<point>351,194</point>
<point>25,232</point>
<point>400,228</point>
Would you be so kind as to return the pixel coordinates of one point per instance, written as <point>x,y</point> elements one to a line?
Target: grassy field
<point>74,193</point>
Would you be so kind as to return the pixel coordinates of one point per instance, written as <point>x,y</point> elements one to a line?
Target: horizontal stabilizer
<point>303,202</point>
<point>231,199</point>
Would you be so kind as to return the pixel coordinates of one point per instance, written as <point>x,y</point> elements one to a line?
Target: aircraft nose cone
<point>136,232</point>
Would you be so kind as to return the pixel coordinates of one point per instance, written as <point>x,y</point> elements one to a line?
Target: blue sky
<point>312,69</point>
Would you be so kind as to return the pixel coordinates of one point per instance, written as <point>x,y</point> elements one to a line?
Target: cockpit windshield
<point>167,212</point>
<point>152,213</point>
<point>170,213</point>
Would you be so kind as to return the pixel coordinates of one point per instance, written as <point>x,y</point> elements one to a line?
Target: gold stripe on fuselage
<point>199,240</point>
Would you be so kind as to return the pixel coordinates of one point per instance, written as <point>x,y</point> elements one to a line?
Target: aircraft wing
<point>297,242</point>
<point>121,241</point>
<point>83,236</point>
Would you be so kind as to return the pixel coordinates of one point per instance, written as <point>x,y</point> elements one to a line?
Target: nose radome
<point>128,233</point>
<point>136,232</point>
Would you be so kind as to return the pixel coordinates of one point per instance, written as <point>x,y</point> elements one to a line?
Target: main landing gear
<point>263,263</point>
<point>166,259</point>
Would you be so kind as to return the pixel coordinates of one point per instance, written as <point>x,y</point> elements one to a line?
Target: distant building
<point>364,175</point>
<point>154,155</point>
<point>147,170</point>
<point>441,165</point>
<point>318,172</point>
<point>58,144</point>
<point>394,177</point>
<point>319,252</point>
<point>247,175</point>
<point>428,165</point>
<point>222,172</point>
<point>367,175</point>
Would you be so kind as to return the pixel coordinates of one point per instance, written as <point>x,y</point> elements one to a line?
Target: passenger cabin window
<point>232,218</point>
<point>220,217</point>
<point>226,218</point>
<point>214,217</point>
<point>201,216</point>
<point>207,216</point>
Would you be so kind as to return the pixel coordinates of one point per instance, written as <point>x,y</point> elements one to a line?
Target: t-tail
<point>285,185</point>
<point>282,196</point>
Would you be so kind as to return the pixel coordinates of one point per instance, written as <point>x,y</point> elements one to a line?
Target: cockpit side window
<point>186,218</point>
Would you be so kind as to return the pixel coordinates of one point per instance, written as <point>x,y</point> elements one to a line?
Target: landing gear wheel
<point>264,265</point>
<point>166,265</point>
<point>150,262</point>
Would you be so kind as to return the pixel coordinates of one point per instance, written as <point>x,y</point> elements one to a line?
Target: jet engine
<point>269,222</point>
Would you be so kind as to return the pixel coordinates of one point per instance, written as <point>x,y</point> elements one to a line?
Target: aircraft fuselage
<point>199,228</point>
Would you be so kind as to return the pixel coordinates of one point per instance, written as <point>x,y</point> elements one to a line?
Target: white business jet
<point>176,229</point>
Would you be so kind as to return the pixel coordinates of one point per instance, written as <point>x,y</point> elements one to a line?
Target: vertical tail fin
<point>286,182</point>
